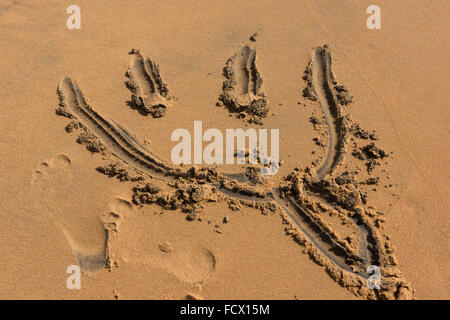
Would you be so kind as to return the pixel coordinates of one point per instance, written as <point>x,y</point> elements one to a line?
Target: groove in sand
<point>322,79</point>
<point>242,89</point>
<point>149,91</point>
<point>114,138</point>
<point>125,147</point>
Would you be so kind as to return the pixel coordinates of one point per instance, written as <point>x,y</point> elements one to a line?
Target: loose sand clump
<point>371,154</point>
<point>242,90</point>
<point>120,171</point>
<point>190,197</point>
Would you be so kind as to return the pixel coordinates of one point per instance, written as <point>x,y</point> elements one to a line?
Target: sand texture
<point>88,178</point>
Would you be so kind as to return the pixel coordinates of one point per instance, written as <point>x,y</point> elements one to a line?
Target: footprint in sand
<point>119,209</point>
<point>142,240</point>
<point>58,195</point>
<point>189,263</point>
<point>98,236</point>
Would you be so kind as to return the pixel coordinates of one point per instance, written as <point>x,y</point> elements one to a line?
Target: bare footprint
<point>119,209</point>
<point>189,263</point>
<point>149,91</point>
<point>57,194</point>
<point>144,240</point>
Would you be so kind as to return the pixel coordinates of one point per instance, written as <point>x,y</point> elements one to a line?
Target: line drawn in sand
<point>150,93</point>
<point>242,90</point>
<point>299,198</point>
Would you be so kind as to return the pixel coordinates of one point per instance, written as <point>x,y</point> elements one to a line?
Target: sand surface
<point>58,210</point>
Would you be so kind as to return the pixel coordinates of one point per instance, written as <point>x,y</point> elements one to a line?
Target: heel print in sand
<point>56,189</point>
<point>188,262</point>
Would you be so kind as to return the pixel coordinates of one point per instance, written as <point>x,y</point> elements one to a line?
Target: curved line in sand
<point>125,147</point>
<point>322,79</point>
